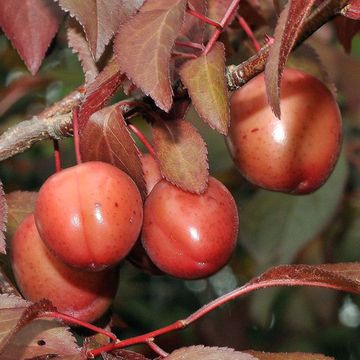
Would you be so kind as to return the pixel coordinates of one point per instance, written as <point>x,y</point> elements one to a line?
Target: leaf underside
<point>143,48</point>
<point>204,78</point>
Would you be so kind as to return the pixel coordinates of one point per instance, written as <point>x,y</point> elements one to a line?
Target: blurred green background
<point>274,228</point>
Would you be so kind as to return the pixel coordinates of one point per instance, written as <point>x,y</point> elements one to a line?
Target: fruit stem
<point>57,155</point>
<point>179,54</point>
<point>224,22</point>
<point>75,121</point>
<point>249,287</point>
<point>245,26</point>
<point>190,44</point>
<point>142,138</point>
<point>190,10</point>
<point>73,321</point>
<point>156,348</point>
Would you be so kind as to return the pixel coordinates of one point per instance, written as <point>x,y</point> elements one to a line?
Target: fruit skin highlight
<point>295,154</point>
<point>89,215</point>
<point>39,274</point>
<point>190,236</point>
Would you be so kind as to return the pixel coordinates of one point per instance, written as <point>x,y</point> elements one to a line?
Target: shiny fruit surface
<point>187,235</point>
<point>89,215</point>
<point>295,154</point>
<point>39,274</point>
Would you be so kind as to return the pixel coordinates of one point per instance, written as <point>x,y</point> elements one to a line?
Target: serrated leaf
<point>193,28</point>
<point>143,47</point>
<point>6,286</point>
<point>352,9</point>
<point>30,25</point>
<point>100,91</point>
<point>3,219</point>
<point>286,32</point>
<point>339,276</point>
<point>20,204</point>
<point>40,338</point>
<point>276,226</point>
<point>205,80</point>
<point>100,19</point>
<point>15,313</point>
<point>346,29</point>
<point>288,356</point>
<point>79,46</point>
<point>22,337</point>
<point>124,355</point>
<point>200,352</point>
<point>182,154</point>
<point>106,138</point>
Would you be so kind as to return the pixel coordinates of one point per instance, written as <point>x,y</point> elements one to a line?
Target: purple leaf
<point>106,138</point>
<point>346,29</point>
<point>143,48</point>
<point>286,32</point>
<point>340,276</point>
<point>100,91</point>
<point>30,25</point>
<point>79,45</point>
<point>193,28</point>
<point>182,154</point>
<point>205,80</point>
<point>100,19</point>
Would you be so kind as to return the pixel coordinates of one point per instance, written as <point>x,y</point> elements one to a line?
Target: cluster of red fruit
<point>89,217</point>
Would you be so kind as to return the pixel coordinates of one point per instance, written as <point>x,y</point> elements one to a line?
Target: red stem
<point>76,134</point>
<point>142,138</point>
<point>245,26</point>
<point>203,18</point>
<point>179,54</point>
<point>73,321</point>
<point>57,155</point>
<point>224,22</point>
<point>180,324</point>
<point>190,44</point>
<point>157,349</point>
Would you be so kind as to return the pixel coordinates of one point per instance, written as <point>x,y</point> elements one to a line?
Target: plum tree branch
<point>56,121</point>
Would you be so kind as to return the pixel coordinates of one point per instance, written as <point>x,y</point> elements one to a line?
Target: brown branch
<point>239,75</point>
<point>52,123</point>
<point>55,122</point>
